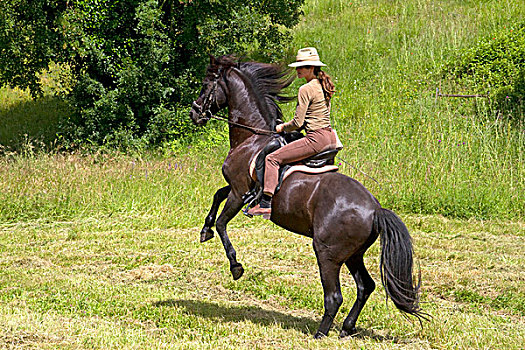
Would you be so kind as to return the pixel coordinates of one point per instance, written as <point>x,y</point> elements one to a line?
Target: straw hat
<point>307,57</point>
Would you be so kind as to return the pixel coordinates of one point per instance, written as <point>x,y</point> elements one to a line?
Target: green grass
<point>65,186</point>
<point>110,283</point>
<point>25,121</point>
<point>449,156</point>
<point>100,250</point>
<point>446,156</point>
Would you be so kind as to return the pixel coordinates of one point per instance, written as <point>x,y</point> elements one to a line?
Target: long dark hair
<point>326,83</point>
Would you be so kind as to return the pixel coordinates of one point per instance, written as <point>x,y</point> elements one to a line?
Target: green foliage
<point>29,40</point>
<point>137,63</point>
<point>120,57</point>
<point>496,65</point>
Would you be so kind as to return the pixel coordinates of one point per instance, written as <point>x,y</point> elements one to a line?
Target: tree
<point>29,39</point>
<point>137,63</point>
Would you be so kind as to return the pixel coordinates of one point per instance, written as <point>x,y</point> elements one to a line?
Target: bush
<point>497,66</point>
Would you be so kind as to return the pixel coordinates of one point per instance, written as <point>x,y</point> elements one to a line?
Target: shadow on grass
<point>31,120</point>
<point>241,313</point>
<point>258,315</point>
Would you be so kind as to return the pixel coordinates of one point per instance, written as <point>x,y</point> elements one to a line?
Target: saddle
<point>313,164</point>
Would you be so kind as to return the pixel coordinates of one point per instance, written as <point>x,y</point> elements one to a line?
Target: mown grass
<point>111,283</point>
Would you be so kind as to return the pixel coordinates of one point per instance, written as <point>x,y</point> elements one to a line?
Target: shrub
<point>496,65</point>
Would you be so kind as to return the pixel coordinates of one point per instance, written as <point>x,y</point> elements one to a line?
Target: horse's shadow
<point>257,315</point>
<point>223,313</point>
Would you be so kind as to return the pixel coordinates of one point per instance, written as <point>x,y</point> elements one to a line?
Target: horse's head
<point>213,96</point>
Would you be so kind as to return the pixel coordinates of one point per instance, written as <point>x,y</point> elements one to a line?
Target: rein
<point>206,114</point>
<point>252,129</point>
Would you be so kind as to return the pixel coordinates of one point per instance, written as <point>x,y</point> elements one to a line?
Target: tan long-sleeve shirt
<point>311,111</point>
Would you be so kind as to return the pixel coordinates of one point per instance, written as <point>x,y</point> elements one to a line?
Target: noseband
<point>204,111</point>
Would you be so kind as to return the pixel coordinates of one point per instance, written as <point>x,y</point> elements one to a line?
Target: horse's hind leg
<point>218,198</point>
<point>333,298</point>
<point>365,287</point>
<point>231,208</point>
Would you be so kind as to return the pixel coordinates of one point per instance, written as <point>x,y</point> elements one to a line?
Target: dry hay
<point>150,272</point>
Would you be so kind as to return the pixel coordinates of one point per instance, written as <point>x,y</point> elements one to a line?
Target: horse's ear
<point>213,60</point>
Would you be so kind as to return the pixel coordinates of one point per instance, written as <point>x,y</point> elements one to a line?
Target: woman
<point>312,114</point>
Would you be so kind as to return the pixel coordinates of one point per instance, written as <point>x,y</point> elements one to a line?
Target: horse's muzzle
<point>197,116</point>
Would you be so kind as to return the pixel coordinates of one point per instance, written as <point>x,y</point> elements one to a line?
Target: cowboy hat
<point>307,57</point>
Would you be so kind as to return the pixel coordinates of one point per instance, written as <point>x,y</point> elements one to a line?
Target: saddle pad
<point>295,168</point>
<point>309,170</point>
<point>252,167</point>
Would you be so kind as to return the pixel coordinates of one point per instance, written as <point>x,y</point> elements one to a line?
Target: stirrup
<point>251,199</point>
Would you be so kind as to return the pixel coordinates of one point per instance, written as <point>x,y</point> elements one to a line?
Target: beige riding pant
<point>314,142</point>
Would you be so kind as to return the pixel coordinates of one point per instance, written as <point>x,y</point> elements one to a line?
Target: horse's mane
<point>267,80</point>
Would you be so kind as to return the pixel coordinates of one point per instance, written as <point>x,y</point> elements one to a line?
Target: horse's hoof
<point>348,332</point>
<point>206,234</point>
<point>319,335</point>
<point>237,271</point>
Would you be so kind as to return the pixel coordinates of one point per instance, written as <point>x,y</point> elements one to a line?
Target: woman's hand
<point>279,128</point>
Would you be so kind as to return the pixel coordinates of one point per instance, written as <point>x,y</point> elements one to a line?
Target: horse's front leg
<point>231,208</point>
<point>218,198</point>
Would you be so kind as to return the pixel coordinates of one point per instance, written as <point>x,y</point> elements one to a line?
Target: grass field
<point>452,157</point>
<point>100,250</point>
<point>387,59</point>
<point>26,121</point>
<point>103,252</point>
<point>108,283</point>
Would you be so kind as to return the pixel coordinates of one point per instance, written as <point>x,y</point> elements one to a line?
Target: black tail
<point>396,263</point>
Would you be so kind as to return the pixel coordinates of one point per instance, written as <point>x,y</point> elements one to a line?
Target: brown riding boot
<point>258,210</point>
<point>264,208</point>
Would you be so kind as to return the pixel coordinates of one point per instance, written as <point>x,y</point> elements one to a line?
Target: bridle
<point>205,113</point>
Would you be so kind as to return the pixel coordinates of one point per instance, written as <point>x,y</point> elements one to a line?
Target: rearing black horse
<point>341,216</point>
